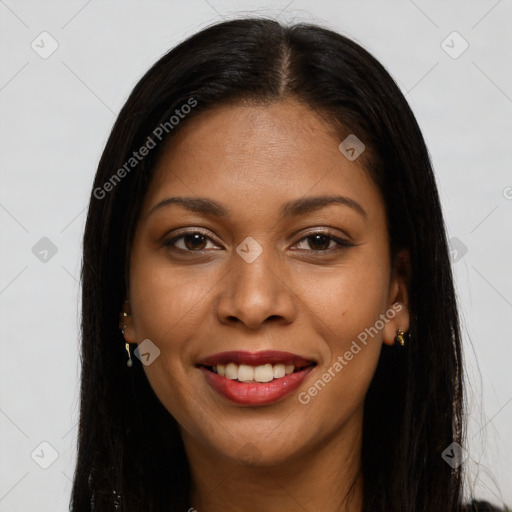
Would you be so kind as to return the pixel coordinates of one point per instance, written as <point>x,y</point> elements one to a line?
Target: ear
<point>125,318</point>
<point>398,300</point>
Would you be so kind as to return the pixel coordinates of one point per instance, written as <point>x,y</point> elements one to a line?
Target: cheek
<point>165,309</point>
<point>165,300</point>
<point>345,307</point>
<point>343,302</point>
<point>166,305</point>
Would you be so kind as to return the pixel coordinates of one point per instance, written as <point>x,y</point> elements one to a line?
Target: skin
<point>252,159</point>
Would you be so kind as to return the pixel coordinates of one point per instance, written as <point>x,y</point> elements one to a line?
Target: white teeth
<point>263,373</point>
<point>232,371</point>
<point>278,371</point>
<point>247,373</point>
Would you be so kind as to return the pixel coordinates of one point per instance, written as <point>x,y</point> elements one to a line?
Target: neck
<point>325,478</point>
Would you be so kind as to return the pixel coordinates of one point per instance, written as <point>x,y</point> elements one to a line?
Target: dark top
<point>483,506</point>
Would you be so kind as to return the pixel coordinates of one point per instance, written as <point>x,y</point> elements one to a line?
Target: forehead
<point>258,155</point>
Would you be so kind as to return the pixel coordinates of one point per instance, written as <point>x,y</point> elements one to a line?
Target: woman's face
<point>246,273</point>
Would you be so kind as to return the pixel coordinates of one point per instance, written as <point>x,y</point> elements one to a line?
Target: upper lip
<point>256,358</point>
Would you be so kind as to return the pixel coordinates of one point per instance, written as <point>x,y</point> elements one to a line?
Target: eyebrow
<point>292,208</point>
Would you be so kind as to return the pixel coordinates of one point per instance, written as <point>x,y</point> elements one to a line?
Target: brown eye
<point>323,242</point>
<point>190,242</point>
<point>195,241</point>
<point>319,242</point>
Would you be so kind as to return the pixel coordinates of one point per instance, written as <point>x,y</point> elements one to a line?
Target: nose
<point>257,293</point>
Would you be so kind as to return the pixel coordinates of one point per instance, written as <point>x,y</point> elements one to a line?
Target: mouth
<point>254,379</point>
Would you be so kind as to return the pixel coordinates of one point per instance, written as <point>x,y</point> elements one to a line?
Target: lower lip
<point>255,393</point>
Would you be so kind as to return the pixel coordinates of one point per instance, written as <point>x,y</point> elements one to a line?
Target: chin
<point>263,451</point>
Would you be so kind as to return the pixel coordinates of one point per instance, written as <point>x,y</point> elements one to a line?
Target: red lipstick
<point>256,393</point>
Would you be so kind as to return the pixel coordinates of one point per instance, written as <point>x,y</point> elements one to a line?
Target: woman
<point>269,320</point>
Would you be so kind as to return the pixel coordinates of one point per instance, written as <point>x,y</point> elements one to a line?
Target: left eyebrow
<point>292,208</point>
<point>305,205</point>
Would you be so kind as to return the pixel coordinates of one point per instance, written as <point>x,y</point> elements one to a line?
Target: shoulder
<point>481,506</point>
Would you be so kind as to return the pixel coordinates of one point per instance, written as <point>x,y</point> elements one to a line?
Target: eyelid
<point>325,231</point>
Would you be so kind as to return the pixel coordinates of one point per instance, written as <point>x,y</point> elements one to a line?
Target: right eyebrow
<point>195,204</point>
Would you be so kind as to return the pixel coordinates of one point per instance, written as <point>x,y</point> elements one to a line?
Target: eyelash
<point>342,244</point>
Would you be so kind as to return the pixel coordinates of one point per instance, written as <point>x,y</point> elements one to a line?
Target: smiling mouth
<point>256,374</point>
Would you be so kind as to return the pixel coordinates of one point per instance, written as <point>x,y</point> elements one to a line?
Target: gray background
<point>56,114</point>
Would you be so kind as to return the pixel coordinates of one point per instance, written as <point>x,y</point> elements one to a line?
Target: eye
<point>193,241</point>
<point>323,242</point>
